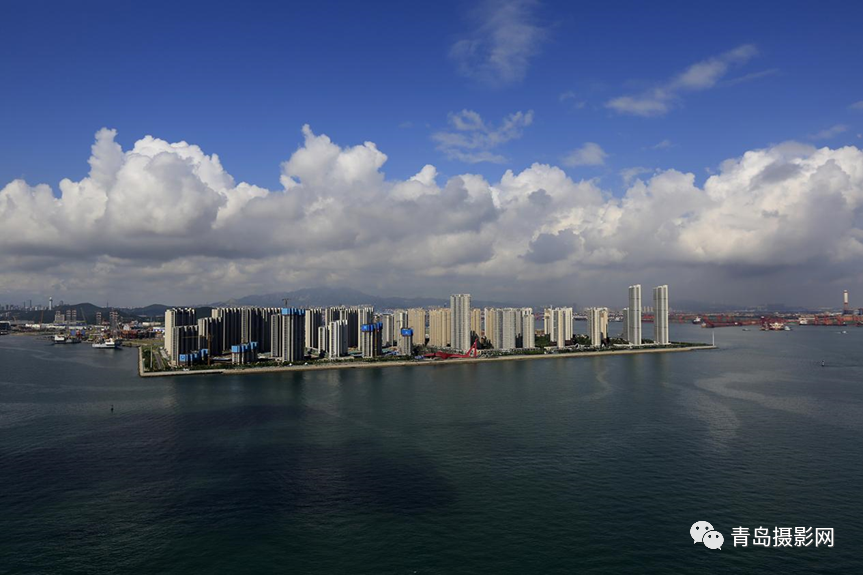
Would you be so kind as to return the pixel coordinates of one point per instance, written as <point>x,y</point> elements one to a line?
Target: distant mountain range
<point>307,297</point>
<point>326,296</point>
<point>87,311</point>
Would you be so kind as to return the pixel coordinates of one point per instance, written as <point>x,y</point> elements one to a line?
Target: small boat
<point>60,339</point>
<point>109,343</point>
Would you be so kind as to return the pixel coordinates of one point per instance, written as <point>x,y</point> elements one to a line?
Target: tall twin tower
<point>632,315</point>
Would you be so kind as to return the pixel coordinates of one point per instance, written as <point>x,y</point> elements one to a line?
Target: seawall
<point>409,363</point>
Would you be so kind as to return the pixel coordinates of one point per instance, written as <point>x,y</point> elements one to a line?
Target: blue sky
<point>547,152</point>
<point>242,80</point>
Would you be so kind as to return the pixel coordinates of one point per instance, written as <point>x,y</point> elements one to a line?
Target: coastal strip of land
<point>348,364</point>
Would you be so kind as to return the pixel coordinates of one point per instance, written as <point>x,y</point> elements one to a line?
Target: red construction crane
<point>472,352</point>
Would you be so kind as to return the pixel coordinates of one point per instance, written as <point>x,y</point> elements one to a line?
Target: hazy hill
<point>325,296</point>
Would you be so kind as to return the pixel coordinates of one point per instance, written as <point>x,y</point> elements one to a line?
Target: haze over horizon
<point>517,151</point>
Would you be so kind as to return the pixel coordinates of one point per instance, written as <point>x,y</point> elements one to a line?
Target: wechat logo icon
<point>703,532</point>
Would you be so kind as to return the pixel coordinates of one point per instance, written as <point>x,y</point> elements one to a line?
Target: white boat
<point>109,343</point>
<point>60,339</point>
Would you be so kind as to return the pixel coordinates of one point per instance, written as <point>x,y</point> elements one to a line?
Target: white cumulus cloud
<point>166,222</point>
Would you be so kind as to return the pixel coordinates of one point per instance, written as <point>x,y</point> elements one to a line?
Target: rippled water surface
<point>592,465</point>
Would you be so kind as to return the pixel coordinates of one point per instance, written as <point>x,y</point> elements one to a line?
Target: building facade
<point>400,318</point>
<point>528,328</point>
<point>510,327</point>
<point>597,325</point>
<point>289,328</point>
<point>660,315</point>
<point>406,341</point>
<point>365,316</point>
<point>490,329</point>
<point>314,320</point>
<point>634,315</point>
<point>440,327</point>
<point>475,324</point>
<point>371,337</point>
<point>210,335</point>
<point>337,336</point>
<point>176,317</point>
<point>184,343</point>
<point>388,336</point>
<point>460,308</point>
<point>417,322</point>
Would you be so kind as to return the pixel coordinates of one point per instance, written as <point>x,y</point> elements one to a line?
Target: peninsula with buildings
<point>226,338</point>
<point>251,339</point>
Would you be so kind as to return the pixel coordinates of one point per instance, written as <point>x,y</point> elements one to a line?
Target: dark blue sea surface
<point>571,465</point>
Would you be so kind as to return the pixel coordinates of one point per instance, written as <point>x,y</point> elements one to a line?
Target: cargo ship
<point>109,343</point>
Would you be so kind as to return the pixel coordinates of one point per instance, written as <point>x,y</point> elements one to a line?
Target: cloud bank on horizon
<point>165,221</point>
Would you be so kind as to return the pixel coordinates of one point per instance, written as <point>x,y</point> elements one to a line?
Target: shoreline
<point>407,363</point>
